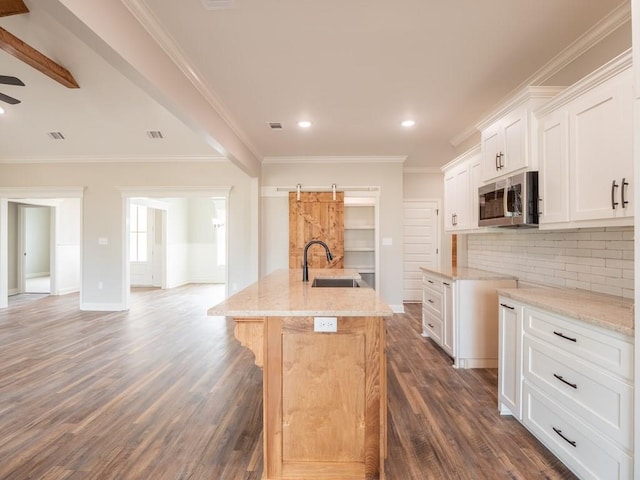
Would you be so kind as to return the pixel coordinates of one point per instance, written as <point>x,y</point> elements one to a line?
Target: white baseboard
<point>38,274</point>
<point>102,307</point>
<point>13,291</point>
<point>68,290</point>
<point>397,308</point>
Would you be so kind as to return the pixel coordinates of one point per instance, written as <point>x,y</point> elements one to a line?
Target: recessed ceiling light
<point>1,111</point>
<point>304,124</point>
<point>408,123</point>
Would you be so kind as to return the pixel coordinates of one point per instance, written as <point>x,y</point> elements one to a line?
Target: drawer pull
<point>507,306</point>
<point>565,337</point>
<point>445,283</point>
<point>431,325</point>
<point>559,377</point>
<point>559,432</point>
<point>430,281</point>
<point>429,300</point>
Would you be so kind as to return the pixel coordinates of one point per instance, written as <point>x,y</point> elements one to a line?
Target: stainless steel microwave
<point>511,202</point>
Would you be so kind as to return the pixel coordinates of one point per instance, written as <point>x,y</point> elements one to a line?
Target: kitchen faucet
<point>305,264</point>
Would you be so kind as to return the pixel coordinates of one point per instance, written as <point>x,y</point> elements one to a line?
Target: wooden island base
<point>324,396</point>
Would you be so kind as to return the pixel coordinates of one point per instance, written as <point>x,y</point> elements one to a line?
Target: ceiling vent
<point>155,134</point>
<point>218,4</point>
<point>56,135</point>
<point>275,125</point>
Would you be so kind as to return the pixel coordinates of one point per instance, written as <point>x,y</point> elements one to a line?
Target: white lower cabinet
<point>571,384</point>
<point>509,358</point>
<point>460,315</point>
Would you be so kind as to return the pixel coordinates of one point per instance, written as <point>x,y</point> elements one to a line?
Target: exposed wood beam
<point>12,7</point>
<point>29,55</point>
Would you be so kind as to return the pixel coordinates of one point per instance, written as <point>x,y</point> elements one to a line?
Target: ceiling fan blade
<point>11,81</point>
<point>8,99</point>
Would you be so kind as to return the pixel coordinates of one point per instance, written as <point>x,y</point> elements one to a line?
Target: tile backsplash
<point>595,259</point>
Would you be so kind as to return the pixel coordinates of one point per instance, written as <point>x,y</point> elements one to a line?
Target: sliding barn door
<point>316,216</point>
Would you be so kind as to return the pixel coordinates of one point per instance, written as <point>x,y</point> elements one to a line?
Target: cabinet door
<point>457,199</point>
<point>601,151</point>
<point>491,148</point>
<point>447,319</point>
<point>509,358</point>
<point>554,168</point>
<point>514,130</point>
<point>475,180</point>
<point>450,200</point>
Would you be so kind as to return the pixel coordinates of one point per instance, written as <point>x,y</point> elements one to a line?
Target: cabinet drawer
<point>432,282</point>
<point>433,301</point>
<point>580,447</point>
<point>431,326</point>
<point>607,350</point>
<point>605,402</point>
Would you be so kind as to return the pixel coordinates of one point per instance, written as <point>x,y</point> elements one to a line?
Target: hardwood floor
<point>164,392</point>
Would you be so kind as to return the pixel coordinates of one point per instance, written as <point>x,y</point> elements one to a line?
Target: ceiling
<point>355,69</point>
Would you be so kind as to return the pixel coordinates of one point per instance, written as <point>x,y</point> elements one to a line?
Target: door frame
<point>19,194</point>
<point>157,194</point>
<point>22,239</point>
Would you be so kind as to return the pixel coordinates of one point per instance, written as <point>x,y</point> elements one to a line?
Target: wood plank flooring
<point>164,392</point>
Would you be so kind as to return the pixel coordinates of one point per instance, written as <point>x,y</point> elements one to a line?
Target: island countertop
<point>283,293</point>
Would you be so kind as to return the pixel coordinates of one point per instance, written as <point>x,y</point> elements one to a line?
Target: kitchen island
<point>322,350</point>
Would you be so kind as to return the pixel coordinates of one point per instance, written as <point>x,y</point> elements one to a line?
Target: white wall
<point>38,241</point>
<point>102,214</point>
<point>275,213</point>
<point>67,249</point>
<point>595,259</point>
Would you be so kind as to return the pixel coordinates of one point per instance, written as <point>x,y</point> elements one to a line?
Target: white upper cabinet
<point>461,181</point>
<point>586,151</point>
<point>509,136</point>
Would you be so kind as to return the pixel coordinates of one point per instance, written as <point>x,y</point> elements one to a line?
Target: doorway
<point>174,237</point>
<point>35,238</point>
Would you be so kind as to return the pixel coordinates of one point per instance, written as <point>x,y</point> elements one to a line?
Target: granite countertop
<point>282,293</point>
<point>607,311</point>
<point>464,273</point>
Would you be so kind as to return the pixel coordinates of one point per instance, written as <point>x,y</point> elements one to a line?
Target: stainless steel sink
<point>335,282</point>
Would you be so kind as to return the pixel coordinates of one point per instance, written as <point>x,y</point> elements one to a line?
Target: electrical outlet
<point>325,324</point>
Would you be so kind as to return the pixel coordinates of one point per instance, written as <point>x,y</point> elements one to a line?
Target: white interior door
<point>421,244</point>
<point>34,270</point>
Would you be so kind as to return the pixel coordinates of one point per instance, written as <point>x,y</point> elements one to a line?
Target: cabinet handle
<point>559,432</point>
<point>559,377</point>
<point>508,306</point>
<point>429,300</point>
<point>445,283</point>
<point>430,324</point>
<point>614,204</point>
<point>539,205</point>
<point>624,184</point>
<point>497,160</point>
<point>430,281</point>
<point>500,163</point>
<point>560,334</point>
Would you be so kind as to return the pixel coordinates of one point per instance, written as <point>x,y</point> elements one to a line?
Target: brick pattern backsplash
<point>595,259</point>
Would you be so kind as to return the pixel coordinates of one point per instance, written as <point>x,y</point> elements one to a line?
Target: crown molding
<point>41,192</point>
<point>114,159</point>
<point>607,71</point>
<point>331,160</point>
<point>618,17</point>
<point>143,14</point>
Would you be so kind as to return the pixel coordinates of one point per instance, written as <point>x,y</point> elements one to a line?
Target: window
<point>138,233</point>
